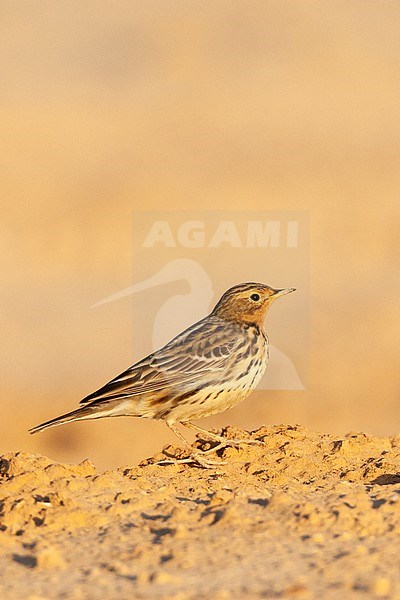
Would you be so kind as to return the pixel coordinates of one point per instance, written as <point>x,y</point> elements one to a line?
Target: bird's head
<point>248,302</point>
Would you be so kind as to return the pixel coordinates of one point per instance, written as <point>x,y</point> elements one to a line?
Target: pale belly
<point>218,398</point>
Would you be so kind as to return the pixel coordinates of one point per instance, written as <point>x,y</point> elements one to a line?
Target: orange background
<point>111,107</point>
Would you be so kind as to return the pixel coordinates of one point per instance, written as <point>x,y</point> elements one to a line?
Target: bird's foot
<point>215,437</point>
<point>195,457</point>
<point>222,439</point>
<point>232,442</point>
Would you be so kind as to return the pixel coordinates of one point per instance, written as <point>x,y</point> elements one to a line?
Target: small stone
<point>163,577</point>
<point>56,470</point>
<point>381,587</point>
<point>221,497</point>
<point>314,519</point>
<point>77,484</point>
<point>50,558</point>
<point>143,577</point>
<point>180,532</point>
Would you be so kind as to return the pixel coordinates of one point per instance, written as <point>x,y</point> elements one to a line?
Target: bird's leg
<point>220,438</point>
<point>194,455</point>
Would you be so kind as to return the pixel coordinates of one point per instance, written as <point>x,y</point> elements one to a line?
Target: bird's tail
<point>86,412</point>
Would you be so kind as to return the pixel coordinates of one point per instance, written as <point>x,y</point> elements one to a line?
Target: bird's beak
<point>283,292</point>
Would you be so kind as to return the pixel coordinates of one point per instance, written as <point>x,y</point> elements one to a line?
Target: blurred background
<point>112,107</point>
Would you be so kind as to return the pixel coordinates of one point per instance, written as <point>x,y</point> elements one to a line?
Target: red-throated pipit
<point>210,367</point>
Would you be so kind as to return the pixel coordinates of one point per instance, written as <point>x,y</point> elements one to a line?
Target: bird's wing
<point>199,353</point>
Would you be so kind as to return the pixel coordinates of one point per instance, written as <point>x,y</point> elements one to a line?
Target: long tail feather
<point>86,412</point>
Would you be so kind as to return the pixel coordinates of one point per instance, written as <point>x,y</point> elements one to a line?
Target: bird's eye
<point>255,297</point>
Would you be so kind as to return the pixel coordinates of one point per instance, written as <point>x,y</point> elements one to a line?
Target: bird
<point>208,368</point>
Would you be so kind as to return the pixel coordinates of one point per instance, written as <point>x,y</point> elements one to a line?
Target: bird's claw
<point>225,443</point>
<point>194,458</point>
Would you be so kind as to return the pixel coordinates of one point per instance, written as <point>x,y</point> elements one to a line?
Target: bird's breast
<point>242,375</point>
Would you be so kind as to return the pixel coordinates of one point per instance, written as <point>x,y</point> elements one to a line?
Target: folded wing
<point>194,357</point>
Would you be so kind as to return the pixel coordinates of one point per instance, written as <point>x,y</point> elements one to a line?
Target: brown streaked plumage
<point>210,367</point>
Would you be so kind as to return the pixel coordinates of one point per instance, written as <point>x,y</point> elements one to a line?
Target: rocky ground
<point>305,515</point>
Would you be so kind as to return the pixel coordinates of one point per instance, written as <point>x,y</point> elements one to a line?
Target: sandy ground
<point>305,515</point>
